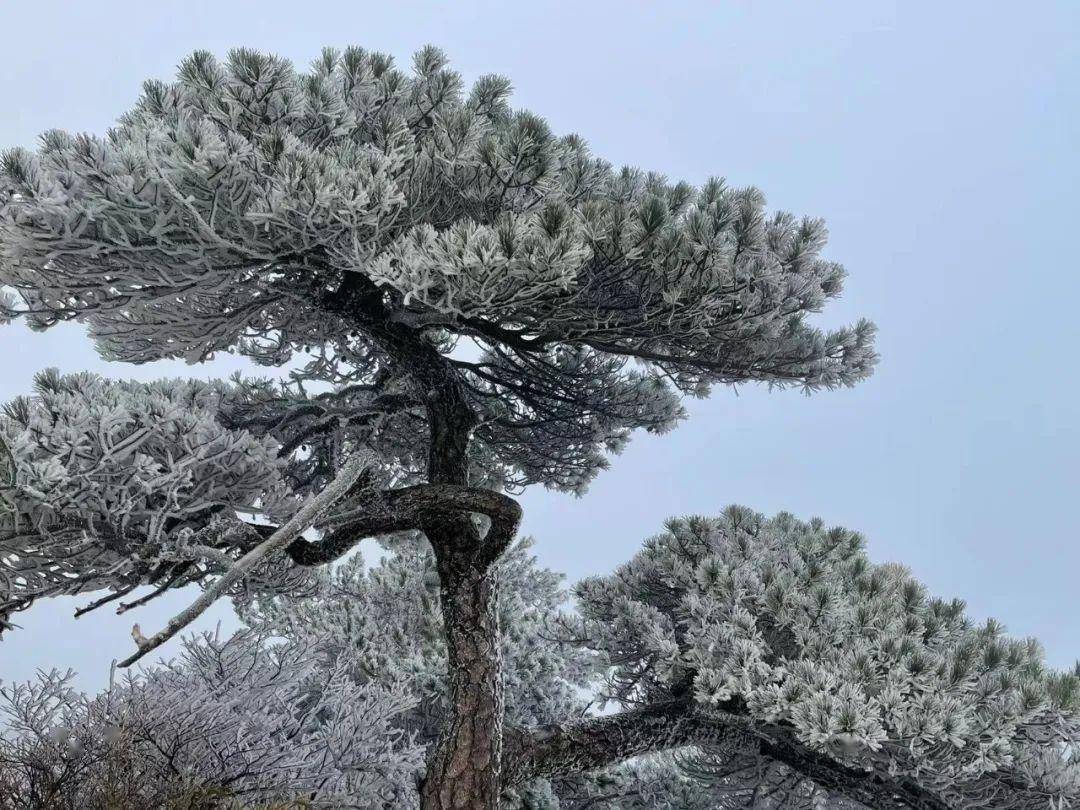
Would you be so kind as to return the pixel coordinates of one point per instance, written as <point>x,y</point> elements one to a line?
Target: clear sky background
<point>939,141</point>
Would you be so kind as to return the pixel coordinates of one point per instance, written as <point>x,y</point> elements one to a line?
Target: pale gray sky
<point>937,139</point>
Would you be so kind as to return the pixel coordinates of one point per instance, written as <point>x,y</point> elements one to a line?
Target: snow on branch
<point>234,207</point>
<point>243,720</point>
<point>308,514</point>
<point>102,480</point>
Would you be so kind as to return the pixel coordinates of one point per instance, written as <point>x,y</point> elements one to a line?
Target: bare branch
<point>112,597</point>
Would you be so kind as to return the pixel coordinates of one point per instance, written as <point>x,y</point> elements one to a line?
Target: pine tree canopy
<point>248,207</point>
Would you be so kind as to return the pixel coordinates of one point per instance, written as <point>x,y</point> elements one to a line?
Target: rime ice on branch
<point>231,723</point>
<point>116,485</point>
<point>240,207</point>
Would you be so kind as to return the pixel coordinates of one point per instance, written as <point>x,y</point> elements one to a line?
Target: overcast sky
<point>937,139</point>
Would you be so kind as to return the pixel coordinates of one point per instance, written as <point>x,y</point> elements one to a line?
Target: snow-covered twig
<point>308,514</point>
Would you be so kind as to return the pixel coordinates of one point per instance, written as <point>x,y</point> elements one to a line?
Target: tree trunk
<point>464,767</point>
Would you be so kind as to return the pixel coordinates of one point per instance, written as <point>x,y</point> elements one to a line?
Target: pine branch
<point>308,514</point>
<point>414,508</point>
<point>594,743</point>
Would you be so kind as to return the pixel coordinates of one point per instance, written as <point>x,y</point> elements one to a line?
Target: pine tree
<point>765,642</point>
<point>480,304</point>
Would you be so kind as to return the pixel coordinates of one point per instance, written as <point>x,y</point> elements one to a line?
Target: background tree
<point>481,304</point>
<point>233,722</point>
<point>778,642</point>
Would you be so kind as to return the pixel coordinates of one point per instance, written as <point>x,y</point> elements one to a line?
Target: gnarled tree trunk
<point>463,769</point>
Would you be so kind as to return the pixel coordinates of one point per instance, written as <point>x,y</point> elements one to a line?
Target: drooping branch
<point>595,743</point>
<point>308,514</point>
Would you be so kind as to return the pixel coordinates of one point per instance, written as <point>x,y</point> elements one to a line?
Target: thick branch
<point>413,508</point>
<point>595,743</point>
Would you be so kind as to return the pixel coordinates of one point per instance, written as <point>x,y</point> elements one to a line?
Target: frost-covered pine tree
<point>481,305</point>
<point>795,670</point>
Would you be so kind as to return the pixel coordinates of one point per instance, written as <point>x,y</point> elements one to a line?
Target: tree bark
<point>464,769</point>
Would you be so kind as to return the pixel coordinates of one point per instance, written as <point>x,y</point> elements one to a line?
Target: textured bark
<point>409,508</point>
<point>464,768</point>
